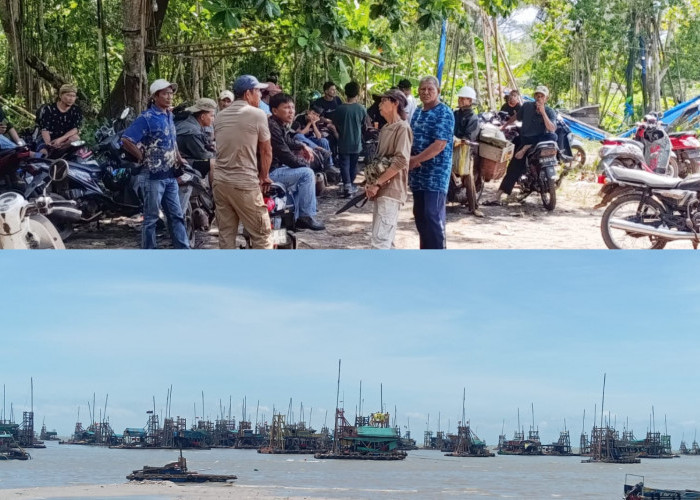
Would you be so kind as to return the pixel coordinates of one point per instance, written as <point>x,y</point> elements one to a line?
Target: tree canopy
<point>629,56</point>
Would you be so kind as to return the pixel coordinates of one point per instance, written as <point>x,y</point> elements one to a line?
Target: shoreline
<point>152,490</point>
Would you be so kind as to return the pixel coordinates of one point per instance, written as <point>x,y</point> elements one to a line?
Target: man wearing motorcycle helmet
<point>466,121</point>
<point>538,125</point>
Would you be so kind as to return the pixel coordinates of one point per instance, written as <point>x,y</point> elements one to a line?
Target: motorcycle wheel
<point>672,169</point>
<point>292,245</point>
<point>579,155</point>
<point>189,227</point>
<point>625,207</point>
<point>65,229</point>
<point>549,194</point>
<point>472,197</point>
<point>42,234</point>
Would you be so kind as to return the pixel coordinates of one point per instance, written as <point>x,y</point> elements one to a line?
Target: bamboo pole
<point>498,59</point>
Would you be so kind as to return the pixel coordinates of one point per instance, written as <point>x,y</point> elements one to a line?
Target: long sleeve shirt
<point>285,147</point>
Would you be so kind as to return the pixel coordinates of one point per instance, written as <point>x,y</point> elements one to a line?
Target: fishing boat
<point>177,473</point>
<point>466,443</point>
<point>371,438</point>
<point>10,450</point>
<point>634,489</point>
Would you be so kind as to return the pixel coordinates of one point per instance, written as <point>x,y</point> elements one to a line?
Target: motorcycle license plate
<point>279,237</point>
<point>694,153</point>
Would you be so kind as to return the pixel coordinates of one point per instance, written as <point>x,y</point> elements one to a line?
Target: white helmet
<point>467,91</point>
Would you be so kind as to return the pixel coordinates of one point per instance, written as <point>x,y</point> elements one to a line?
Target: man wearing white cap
<point>225,99</point>
<point>539,124</point>
<point>242,134</point>
<point>151,139</point>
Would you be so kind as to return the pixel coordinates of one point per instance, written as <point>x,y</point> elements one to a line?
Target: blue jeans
<point>312,142</point>
<point>429,212</point>
<point>348,167</point>
<point>6,143</point>
<point>301,183</point>
<point>162,193</point>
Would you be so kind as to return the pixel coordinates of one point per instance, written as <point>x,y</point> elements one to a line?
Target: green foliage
<point>501,8</point>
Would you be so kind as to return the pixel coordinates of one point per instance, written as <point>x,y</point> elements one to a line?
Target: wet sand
<point>150,490</point>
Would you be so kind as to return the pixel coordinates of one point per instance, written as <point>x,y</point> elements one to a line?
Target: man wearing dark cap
<point>241,134</point>
<point>195,141</point>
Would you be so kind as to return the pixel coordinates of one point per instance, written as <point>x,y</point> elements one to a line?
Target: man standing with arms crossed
<point>151,139</point>
<point>241,132</point>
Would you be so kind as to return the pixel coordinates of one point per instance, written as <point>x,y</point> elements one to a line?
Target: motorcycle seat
<point>683,134</point>
<point>654,181</point>
<point>690,183</point>
<point>91,166</point>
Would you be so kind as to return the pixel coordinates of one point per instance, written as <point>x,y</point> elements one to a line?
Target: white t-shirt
<point>411,108</point>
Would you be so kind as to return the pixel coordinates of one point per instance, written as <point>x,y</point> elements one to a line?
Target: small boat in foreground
<point>637,491</point>
<point>176,472</point>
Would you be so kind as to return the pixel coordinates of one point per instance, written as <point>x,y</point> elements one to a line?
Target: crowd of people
<point>252,137</point>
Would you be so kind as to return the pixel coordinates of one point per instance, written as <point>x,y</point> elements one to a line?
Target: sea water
<point>423,474</point>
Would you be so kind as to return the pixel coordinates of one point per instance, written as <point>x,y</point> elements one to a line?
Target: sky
<point>517,329</point>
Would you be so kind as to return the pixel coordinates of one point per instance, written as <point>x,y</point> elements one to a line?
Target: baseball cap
<point>541,89</point>
<point>247,82</point>
<point>161,84</point>
<point>202,104</point>
<point>67,88</point>
<point>226,94</point>
<point>396,95</point>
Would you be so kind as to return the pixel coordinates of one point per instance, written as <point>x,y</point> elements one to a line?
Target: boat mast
<point>337,402</point>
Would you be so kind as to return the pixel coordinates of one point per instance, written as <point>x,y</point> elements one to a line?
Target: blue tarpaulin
<point>673,114</point>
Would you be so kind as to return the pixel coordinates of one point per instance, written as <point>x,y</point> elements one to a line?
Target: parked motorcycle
<point>466,182</point>
<point>110,186</point>
<point>540,176</point>
<point>630,153</point>
<point>686,146</point>
<point>24,224</point>
<point>467,178</point>
<point>199,212</point>
<point>648,210</point>
<point>573,155</point>
<point>281,209</point>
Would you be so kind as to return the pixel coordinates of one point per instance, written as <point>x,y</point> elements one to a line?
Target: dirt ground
<point>574,224</point>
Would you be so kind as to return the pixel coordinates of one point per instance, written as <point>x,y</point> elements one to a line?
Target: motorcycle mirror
<point>77,144</point>
<point>58,170</point>
<point>125,113</point>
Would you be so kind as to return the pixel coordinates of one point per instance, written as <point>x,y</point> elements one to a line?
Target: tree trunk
<point>488,57</point>
<point>11,19</point>
<point>140,24</point>
<point>475,62</point>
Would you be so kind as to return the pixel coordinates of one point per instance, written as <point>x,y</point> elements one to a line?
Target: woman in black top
<point>60,122</point>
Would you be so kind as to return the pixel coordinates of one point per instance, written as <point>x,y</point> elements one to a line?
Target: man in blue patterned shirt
<point>431,163</point>
<point>152,140</point>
